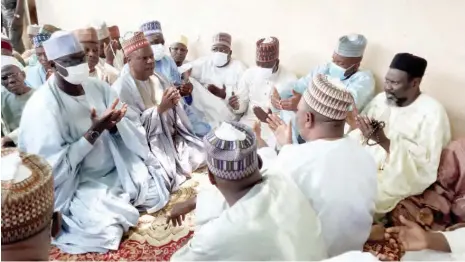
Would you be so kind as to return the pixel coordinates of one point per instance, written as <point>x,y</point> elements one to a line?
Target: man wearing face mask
<point>345,66</point>
<point>90,44</point>
<point>258,83</point>
<point>154,106</point>
<point>102,172</point>
<point>220,74</point>
<point>416,129</point>
<point>37,74</point>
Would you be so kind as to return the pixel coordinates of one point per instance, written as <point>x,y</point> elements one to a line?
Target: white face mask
<point>76,74</point>
<point>264,73</point>
<point>158,51</point>
<point>219,58</point>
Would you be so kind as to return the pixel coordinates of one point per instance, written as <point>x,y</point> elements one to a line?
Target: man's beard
<point>393,100</point>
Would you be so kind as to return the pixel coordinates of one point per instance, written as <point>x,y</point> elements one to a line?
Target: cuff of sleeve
<point>79,150</point>
<point>455,240</point>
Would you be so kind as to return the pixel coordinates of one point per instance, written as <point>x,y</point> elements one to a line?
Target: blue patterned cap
<point>150,28</point>
<point>231,151</point>
<point>39,39</point>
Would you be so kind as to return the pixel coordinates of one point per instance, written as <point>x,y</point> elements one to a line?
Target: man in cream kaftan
<point>417,133</point>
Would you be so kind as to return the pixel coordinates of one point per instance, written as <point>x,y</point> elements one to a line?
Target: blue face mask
<point>336,71</point>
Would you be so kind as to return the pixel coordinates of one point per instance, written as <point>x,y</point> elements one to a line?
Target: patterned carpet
<point>152,239</point>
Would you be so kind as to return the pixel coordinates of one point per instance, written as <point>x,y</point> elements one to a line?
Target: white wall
<point>307,30</point>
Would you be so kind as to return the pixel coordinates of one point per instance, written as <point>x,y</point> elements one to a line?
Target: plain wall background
<point>307,29</point>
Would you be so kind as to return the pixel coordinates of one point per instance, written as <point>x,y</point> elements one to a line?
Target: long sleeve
<point>456,242</point>
<point>302,84</point>
<point>174,73</point>
<point>243,95</point>
<point>362,88</point>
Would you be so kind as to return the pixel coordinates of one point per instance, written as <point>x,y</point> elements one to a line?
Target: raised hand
<point>186,89</point>
<point>234,101</point>
<point>109,118</point>
<point>281,130</point>
<point>291,103</point>
<point>169,100</point>
<point>411,235</point>
<point>276,99</point>
<point>219,92</point>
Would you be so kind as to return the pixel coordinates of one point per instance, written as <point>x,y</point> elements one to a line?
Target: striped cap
<point>38,39</point>
<point>134,43</point>
<point>267,49</point>
<point>328,97</point>
<point>27,195</point>
<point>222,39</point>
<point>231,151</point>
<point>150,28</point>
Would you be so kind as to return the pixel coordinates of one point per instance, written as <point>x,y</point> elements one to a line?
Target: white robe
<point>339,179</point>
<point>105,72</point>
<point>418,133</point>
<point>35,75</point>
<point>205,72</point>
<point>179,158</point>
<point>99,186</point>
<point>255,91</point>
<point>273,221</point>
<point>12,109</point>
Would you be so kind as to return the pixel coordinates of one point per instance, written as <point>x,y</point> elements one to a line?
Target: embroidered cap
<point>328,97</point>
<point>38,39</point>
<point>231,151</point>
<point>351,45</point>
<point>151,28</point>
<point>27,195</point>
<point>61,43</point>
<point>267,49</point>
<point>222,39</point>
<point>134,43</point>
<point>114,32</point>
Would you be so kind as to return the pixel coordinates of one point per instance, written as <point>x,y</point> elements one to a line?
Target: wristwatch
<point>94,135</point>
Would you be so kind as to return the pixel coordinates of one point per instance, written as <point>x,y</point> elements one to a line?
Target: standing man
<point>416,129</point>
<point>13,20</point>
<point>102,172</point>
<point>220,74</point>
<point>259,82</point>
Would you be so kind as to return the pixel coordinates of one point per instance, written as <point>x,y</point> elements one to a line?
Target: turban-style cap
<point>413,65</point>
<point>151,28</point>
<point>351,45</point>
<point>223,39</point>
<point>33,29</point>
<point>328,97</point>
<point>231,151</point>
<point>60,44</point>
<point>114,32</point>
<point>27,195</point>
<point>137,41</point>
<point>38,39</point>
<point>86,35</point>
<point>267,49</point>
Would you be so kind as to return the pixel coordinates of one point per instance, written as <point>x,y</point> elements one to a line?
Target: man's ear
<point>309,119</point>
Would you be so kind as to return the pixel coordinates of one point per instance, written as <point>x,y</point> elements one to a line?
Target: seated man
<point>178,51</point>
<point>99,158</point>
<point>247,216</point>
<point>345,66</point>
<point>29,55</point>
<point>220,74</point>
<point>90,44</point>
<point>28,219</point>
<point>258,83</point>
<point>117,54</point>
<point>15,94</point>
<point>107,53</point>
<point>408,149</point>
<point>334,172</point>
<point>154,106</point>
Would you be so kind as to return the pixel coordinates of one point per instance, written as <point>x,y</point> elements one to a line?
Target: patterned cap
<point>33,29</point>
<point>351,45</point>
<point>223,39</point>
<point>102,30</point>
<point>328,97</point>
<point>413,65</point>
<point>267,49</point>
<point>134,43</point>
<point>231,151</point>
<point>151,28</point>
<point>114,32</point>
<point>48,29</point>
<point>86,35</point>
<point>27,195</point>
<point>38,39</point>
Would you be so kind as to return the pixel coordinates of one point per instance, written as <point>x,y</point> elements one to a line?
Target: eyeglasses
<point>5,77</point>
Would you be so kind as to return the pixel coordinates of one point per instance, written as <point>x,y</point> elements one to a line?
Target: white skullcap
<point>227,132</point>
<point>352,45</point>
<point>11,60</point>
<point>61,43</point>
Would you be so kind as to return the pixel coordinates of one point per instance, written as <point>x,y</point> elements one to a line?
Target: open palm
<point>281,130</point>
<point>411,235</point>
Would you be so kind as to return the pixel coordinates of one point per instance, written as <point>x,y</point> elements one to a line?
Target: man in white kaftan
<point>100,175</point>
<point>416,130</point>
<point>104,70</point>
<point>269,219</point>
<point>335,173</point>
<point>258,83</point>
<point>220,74</point>
<point>345,66</point>
<point>168,130</point>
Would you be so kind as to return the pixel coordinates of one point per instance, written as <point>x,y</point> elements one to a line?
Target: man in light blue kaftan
<point>345,66</point>
<point>103,173</point>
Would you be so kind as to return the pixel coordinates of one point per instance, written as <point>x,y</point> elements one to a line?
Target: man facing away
<point>99,158</point>
<point>258,83</point>
<point>408,149</point>
<point>28,219</point>
<point>246,216</point>
<point>154,106</point>
<point>15,94</point>
<point>345,66</point>
<point>220,74</point>
<point>334,172</point>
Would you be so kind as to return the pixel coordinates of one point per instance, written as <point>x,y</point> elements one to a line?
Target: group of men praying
<point>301,168</point>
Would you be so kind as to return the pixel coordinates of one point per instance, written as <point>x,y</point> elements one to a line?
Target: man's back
<point>273,221</point>
<point>339,179</point>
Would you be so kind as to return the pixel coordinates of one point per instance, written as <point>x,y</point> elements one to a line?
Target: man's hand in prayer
<point>291,103</point>
<point>257,129</point>
<point>109,119</point>
<point>186,89</point>
<point>281,130</point>
<point>276,99</point>
<point>219,92</point>
<point>365,125</point>
<point>169,100</point>
<point>234,101</point>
